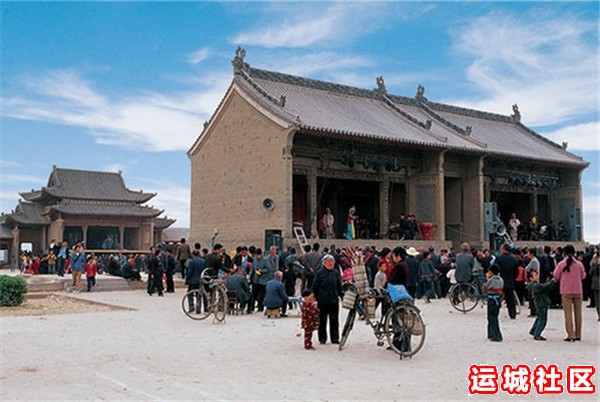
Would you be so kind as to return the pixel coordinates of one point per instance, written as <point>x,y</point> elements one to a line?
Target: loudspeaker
<point>268,204</point>
<point>490,214</point>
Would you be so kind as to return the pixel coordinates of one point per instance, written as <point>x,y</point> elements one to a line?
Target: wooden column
<point>122,236</point>
<point>384,206</point>
<point>16,233</point>
<point>312,204</point>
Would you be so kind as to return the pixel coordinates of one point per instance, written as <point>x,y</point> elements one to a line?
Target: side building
<point>281,149</point>
<point>78,205</point>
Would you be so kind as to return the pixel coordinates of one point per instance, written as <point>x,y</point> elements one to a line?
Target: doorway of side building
<point>453,202</point>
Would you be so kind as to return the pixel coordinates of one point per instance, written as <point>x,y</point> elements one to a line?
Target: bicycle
<point>465,296</point>
<point>402,326</point>
<point>198,304</point>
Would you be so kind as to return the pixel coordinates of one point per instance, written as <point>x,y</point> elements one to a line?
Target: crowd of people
<point>542,277</point>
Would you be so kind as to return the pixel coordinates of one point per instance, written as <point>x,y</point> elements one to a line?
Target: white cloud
<point>114,167</point>
<point>312,24</point>
<point>198,56</point>
<point>147,120</point>
<point>5,163</point>
<point>580,137</point>
<point>175,200</point>
<point>548,66</point>
<point>21,179</point>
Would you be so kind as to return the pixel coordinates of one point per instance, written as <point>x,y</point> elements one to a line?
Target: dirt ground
<point>146,349</point>
<point>39,305</point>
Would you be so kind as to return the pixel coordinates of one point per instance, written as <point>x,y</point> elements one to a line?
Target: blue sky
<point>126,86</point>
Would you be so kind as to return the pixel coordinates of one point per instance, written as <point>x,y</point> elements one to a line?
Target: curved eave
<point>150,213</point>
<point>376,139</point>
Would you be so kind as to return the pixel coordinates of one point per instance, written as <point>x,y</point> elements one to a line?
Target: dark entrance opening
<point>397,201</point>
<point>73,234</point>
<point>339,195</point>
<point>300,200</point>
<point>103,238</point>
<point>453,202</point>
<point>519,203</point>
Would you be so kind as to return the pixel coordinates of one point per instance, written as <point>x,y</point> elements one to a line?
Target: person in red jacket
<point>91,270</point>
<point>310,318</point>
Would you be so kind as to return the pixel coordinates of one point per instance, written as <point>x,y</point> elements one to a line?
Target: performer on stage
<point>328,220</point>
<point>351,232</point>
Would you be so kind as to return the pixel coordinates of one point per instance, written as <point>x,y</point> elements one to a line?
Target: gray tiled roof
<point>91,185</point>
<point>163,223</point>
<point>329,108</point>
<point>100,208</point>
<point>27,213</point>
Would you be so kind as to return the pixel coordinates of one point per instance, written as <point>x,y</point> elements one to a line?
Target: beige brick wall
<point>239,163</point>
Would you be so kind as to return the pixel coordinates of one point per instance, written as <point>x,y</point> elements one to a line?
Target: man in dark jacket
<point>156,268</point>
<point>509,269</point>
<point>192,275</point>
<point>327,288</point>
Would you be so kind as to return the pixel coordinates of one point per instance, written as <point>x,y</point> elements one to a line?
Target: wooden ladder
<point>301,237</point>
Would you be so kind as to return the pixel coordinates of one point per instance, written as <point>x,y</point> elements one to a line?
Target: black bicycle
<point>402,325</point>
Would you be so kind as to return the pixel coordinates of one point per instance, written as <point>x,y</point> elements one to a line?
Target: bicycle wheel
<point>405,330</point>
<point>219,303</point>
<point>194,304</point>
<point>347,327</point>
<point>464,297</point>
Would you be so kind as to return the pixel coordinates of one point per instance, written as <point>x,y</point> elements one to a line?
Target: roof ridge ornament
<point>381,89</point>
<point>238,60</point>
<point>420,96</point>
<point>516,116</point>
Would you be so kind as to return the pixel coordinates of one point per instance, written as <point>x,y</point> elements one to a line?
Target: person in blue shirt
<point>275,296</point>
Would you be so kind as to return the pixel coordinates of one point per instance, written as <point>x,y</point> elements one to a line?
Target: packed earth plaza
<point>364,204</point>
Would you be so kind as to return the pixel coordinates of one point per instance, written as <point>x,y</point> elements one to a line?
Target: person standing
<point>310,317</point>
<point>464,264</point>
<point>540,293</point>
<point>327,288</point>
<point>77,266</point>
<point>259,278</point>
<point>513,227</point>
<point>155,266</point>
<point>192,277</point>
<point>170,271</point>
<point>493,288</point>
<point>328,221</point>
<point>61,258</point>
<point>509,270</point>
<point>571,273</point>
<point>426,273</point>
<point>184,253</point>
<point>90,272</point>
<point>350,224</point>
<point>595,273</point>
<point>313,261</point>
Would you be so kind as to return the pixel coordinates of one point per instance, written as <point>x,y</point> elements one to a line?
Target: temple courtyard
<point>130,346</point>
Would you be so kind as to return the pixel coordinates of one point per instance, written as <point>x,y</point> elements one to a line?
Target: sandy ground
<point>155,352</point>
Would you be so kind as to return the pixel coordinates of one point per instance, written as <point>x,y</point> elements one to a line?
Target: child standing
<point>540,293</point>
<point>90,272</point>
<point>51,262</point>
<point>493,287</point>
<point>310,317</point>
